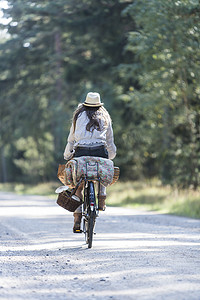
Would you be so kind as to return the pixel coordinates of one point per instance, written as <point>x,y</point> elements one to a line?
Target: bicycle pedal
<point>77,231</point>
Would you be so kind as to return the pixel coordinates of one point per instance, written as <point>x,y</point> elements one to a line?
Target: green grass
<point>154,196</point>
<point>141,195</point>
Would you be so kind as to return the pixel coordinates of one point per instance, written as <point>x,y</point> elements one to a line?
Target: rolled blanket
<point>92,167</point>
<point>68,177</point>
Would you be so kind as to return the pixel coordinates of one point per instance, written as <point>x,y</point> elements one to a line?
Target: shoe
<point>77,223</point>
<point>101,202</point>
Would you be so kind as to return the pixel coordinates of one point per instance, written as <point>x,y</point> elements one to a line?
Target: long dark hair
<point>94,114</point>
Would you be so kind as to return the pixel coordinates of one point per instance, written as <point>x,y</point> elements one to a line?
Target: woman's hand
<point>70,156</point>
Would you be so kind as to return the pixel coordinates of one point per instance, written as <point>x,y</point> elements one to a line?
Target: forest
<point>143,57</point>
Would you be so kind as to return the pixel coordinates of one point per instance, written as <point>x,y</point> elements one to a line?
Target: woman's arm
<point>110,142</point>
<point>69,150</point>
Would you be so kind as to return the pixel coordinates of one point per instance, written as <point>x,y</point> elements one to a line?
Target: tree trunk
<point>3,164</point>
<point>57,105</point>
<point>166,168</point>
<point>58,66</point>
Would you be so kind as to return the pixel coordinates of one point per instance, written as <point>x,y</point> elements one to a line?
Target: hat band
<point>96,104</point>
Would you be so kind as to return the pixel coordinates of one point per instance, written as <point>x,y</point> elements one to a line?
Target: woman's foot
<point>77,223</point>
<point>102,204</point>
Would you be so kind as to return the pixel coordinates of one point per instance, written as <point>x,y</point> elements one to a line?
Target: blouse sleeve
<point>68,153</point>
<point>110,142</point>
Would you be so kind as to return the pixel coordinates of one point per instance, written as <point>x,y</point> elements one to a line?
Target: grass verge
<point>140,195</point>
<point>154,196</point>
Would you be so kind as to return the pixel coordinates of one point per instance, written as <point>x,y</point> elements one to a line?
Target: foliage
<point>166,68</point>
<point>49,62</point>
<point>142,56</point>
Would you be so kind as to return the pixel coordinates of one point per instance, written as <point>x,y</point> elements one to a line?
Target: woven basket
<point>65,201</point>
<point>116,175</point>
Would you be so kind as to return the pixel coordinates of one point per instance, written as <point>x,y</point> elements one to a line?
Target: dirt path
<point>134,256</point>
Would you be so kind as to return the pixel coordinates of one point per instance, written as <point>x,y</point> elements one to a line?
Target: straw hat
<point>93,100</point>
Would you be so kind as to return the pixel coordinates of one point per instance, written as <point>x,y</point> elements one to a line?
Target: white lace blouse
<point>82,137</point>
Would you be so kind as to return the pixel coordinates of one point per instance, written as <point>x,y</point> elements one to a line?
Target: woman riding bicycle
<point>91,134</point>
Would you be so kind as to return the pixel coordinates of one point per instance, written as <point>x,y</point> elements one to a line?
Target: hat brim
<point>93,105</point>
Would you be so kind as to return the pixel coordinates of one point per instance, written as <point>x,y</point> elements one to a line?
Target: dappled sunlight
<point>132,253</point>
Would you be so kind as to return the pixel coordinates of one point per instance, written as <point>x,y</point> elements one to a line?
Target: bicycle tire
<point>85,229</point>
<point>91,223</point>
<point>86,214</point>
<point>91,214</point>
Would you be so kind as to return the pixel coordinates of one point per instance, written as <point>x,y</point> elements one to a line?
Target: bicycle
<point>90,210</point>
<point>90,204</point>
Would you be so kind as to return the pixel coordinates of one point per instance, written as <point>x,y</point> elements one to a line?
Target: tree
<point>166,48</point>
<point>56,52</point>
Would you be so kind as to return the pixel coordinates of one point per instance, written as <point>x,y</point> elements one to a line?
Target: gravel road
<point>135,255</point>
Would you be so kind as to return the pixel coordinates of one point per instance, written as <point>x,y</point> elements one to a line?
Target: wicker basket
<point>116,175</point>
<point>66,201</point>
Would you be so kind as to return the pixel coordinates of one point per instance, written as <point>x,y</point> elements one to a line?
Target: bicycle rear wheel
<point>85,228</point>
<point>90,218</point>
<point>91,223</point>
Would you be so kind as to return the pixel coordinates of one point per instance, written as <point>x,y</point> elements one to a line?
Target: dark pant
<point>99,151</point>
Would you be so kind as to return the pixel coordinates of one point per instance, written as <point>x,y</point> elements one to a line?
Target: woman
<point>91,134</point>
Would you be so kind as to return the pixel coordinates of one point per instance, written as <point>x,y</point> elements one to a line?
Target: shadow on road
<point>134,254</point>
